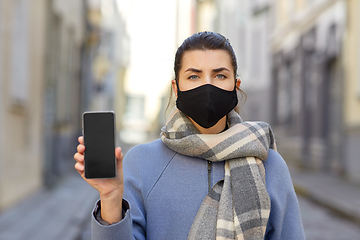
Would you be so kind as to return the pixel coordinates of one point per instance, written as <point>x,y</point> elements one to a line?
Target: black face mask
<point>206,104</point>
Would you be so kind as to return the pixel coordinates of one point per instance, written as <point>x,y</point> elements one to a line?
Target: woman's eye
<point>221,76</point>
<point>193,77</point>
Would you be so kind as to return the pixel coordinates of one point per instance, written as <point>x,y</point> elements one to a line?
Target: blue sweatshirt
<point>163,191</point>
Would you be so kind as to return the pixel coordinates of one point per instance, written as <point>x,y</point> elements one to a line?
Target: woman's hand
<point>111,190</point>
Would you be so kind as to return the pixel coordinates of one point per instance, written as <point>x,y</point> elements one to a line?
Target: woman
<point>210,176</point>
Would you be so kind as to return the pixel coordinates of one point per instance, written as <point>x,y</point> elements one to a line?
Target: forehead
<point>206,59</point>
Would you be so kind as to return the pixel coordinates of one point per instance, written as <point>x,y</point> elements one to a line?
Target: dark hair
<point>204,41</point>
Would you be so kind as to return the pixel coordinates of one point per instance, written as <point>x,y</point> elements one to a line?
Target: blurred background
<point>298,61</point>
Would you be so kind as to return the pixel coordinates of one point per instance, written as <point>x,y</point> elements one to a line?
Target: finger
<point>79,157</point>
<point>81,140</point>
<point>81,148</point>
<point>82,173</point>
<point>118,154</point>
<point>79,167</point>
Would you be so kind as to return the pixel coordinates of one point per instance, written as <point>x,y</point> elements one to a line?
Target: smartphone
<point>99,141</point>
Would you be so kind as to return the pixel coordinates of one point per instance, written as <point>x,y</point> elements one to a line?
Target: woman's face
<point>201,67</point>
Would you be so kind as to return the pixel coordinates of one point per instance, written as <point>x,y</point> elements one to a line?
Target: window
<point>19,80</point>
<point>135,107</point>
<point>256,66</point>
<point>64,84</point>
<point>284,95</point>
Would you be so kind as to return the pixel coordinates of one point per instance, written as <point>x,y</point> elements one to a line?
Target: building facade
<point>315,102</point>
<point>65,33</point>
<point>351,92</point>
<point>22,27</point>
<point>40,93</point>
<point>298,62</point>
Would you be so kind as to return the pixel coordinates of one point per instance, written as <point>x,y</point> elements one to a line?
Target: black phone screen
<point>99,141</point>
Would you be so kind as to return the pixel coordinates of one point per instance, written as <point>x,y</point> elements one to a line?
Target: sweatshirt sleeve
<point>285,220</point>
<point>102,230</point>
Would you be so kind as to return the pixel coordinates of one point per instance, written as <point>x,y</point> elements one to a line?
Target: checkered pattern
<point>238,206</point>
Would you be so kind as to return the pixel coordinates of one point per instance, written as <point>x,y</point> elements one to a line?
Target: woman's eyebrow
<point>193,70</point>
<point>214,70</point>
<point>220,69</point>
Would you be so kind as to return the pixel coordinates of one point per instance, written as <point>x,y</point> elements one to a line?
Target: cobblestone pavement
<point>57,214</point>
<point>322,224</point>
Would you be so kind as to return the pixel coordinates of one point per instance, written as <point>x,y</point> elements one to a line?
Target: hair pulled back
<point>204,41</point>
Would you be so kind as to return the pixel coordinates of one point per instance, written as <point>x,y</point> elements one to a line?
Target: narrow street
<point>322,224</point>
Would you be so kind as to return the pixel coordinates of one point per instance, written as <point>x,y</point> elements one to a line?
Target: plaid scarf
<point>238,206</point>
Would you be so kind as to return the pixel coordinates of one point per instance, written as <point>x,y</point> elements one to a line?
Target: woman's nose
<point>208,80</point>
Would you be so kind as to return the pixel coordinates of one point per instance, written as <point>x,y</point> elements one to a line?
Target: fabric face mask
<point>206,104</point>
